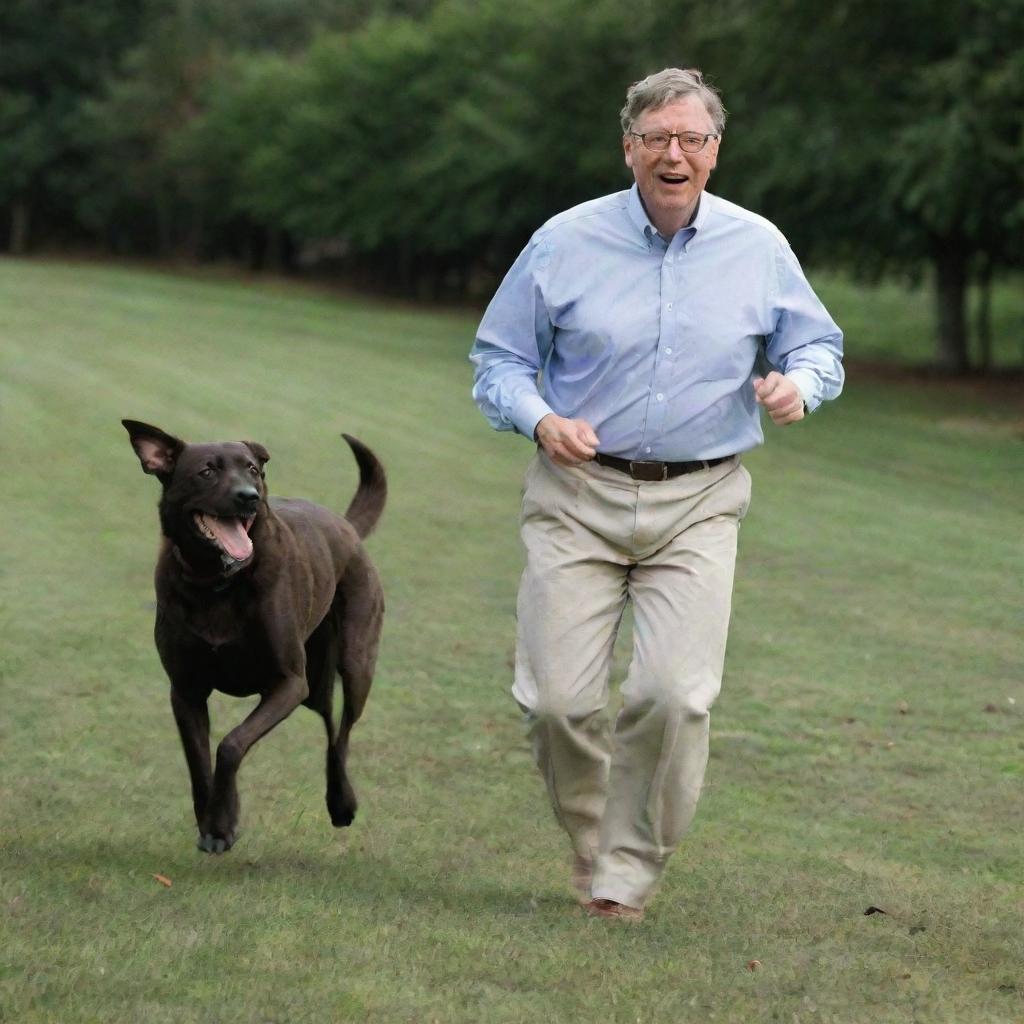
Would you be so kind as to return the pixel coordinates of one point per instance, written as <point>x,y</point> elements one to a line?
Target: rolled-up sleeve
<point>807,344</point>
<point>512,345</point>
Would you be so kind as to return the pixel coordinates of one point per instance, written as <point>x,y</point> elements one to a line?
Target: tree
<point>432,148</point>
<point>961,173</point>
<point>138,183</point>
<point>53,54</point>
<point>889,136</point>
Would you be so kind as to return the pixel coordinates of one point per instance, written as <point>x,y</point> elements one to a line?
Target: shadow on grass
<point>366,880</point>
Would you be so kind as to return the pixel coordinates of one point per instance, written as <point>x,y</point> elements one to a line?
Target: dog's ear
<point>261,453</point>
<point>156,450</point>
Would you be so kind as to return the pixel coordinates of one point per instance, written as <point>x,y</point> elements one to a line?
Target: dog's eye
<point>206,473</point>
<point>253,470</point>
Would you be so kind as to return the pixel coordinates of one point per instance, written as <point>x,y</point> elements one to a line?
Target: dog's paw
<point>343,818</point>
<point>341,803</point>
<point>209,843</point>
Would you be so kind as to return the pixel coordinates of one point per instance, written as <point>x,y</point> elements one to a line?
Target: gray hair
<point>665,86</point>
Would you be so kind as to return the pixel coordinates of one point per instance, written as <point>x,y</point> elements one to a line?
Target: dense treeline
<point>419,143</point>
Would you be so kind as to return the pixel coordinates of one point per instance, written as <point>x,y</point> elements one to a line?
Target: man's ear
<point>261,453</point>
<point>627,149</point>
<point>156,450</point>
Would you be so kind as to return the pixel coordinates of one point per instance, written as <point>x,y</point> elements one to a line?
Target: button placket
<point>659,402</point>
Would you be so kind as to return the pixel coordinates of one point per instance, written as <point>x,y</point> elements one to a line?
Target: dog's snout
<point>247,498</point>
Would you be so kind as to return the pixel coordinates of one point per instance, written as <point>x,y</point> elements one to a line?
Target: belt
<point>657,470</point>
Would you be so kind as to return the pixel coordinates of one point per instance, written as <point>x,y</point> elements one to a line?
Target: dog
<point>259,595</point>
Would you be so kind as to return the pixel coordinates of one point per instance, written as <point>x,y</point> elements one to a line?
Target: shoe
<point>582,876</point>
<point>609,908</point>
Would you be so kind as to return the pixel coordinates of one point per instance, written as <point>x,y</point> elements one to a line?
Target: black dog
<point>258,596</point>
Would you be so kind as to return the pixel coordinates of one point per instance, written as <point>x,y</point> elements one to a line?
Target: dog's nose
<point>247,498</point>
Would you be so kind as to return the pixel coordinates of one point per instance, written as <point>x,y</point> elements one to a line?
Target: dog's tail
<point>369,499</point>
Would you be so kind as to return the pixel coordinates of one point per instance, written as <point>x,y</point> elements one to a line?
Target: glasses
<point>689,142</point>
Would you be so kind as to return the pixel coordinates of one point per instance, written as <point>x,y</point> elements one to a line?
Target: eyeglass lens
<point>689,142</point>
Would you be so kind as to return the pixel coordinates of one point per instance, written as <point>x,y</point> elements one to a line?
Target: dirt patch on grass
<point>1005,382</point>
<point>987,427</point>
<point>1003,387</point>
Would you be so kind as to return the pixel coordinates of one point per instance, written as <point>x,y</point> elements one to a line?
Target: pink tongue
<point>231,535</point>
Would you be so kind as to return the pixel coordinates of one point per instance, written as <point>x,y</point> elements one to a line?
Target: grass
<point>868,748</point>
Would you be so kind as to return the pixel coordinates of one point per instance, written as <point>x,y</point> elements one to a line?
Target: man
<point>643,315</point>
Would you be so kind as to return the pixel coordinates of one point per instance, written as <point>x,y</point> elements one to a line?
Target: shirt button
<point>670,305</point>
<point>668,351</point>
<point>661,398</point>
<point>647,451</point>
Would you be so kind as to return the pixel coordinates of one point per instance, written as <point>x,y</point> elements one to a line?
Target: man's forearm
<point>505,389</point>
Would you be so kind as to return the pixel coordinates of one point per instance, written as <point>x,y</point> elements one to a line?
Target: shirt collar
<point>703,211</point>
<point>638,215</point>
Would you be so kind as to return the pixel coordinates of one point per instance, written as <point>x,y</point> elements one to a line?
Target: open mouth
<point>674,179</point>
<point>229,533</point>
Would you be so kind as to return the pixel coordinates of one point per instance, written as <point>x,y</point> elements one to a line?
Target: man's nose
<point>675,151</point>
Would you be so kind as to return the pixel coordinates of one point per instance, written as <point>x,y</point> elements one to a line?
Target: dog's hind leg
<point>321,665</point>
<point>193,720</point>
<point>358,610</point>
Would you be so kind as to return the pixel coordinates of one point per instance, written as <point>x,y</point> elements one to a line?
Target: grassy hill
<point>867,750</point>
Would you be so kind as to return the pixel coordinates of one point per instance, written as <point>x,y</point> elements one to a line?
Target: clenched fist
<point>568,442</point>
<point>780,397</point>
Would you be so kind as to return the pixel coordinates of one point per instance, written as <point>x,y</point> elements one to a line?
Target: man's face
<point>671,182</point>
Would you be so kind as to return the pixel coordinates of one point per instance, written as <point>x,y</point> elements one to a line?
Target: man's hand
<point>567,442</point>
<point>780,397</point>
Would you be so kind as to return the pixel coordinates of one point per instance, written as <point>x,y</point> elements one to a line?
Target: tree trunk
<point>274,250</point>
<point>285,251</point>
<point>20,219</point>
<point>255,247</point>
<point>406,269</point>
<point>164,225</point>
<point>950,256</point>
<point>983,316</point>
<point>196,240</point>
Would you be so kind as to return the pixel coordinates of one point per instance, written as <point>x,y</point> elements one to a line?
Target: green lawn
<point>868,748</point>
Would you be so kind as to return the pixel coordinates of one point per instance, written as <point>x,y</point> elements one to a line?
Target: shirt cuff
<point>806,382</point>
<point>528,413</point>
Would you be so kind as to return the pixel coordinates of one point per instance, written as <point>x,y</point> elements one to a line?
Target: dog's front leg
<point>219,829</point>
<point>193,719</point>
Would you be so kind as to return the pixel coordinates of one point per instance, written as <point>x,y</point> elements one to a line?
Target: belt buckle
<point>648,471</point>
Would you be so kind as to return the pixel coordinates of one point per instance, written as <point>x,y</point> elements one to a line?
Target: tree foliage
<point>53,54</point>
<point>423,141</point>
<point>887,136</point>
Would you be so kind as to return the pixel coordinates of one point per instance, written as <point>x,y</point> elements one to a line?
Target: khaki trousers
<point>594,539</point>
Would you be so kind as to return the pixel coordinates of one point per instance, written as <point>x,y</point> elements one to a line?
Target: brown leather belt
<point>657,470</point>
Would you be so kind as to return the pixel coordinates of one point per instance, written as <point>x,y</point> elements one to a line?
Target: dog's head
<point>212,492</point>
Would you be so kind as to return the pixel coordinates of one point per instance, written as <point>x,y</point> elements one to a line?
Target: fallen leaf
<point>991,708</point>
<point>163,880</point>
<point>873,910</point>
<point>904,707</point>
<point>753,965</point>
<point>917,929</point>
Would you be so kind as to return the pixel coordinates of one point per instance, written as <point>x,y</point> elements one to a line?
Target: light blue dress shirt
<point>654,343</point>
